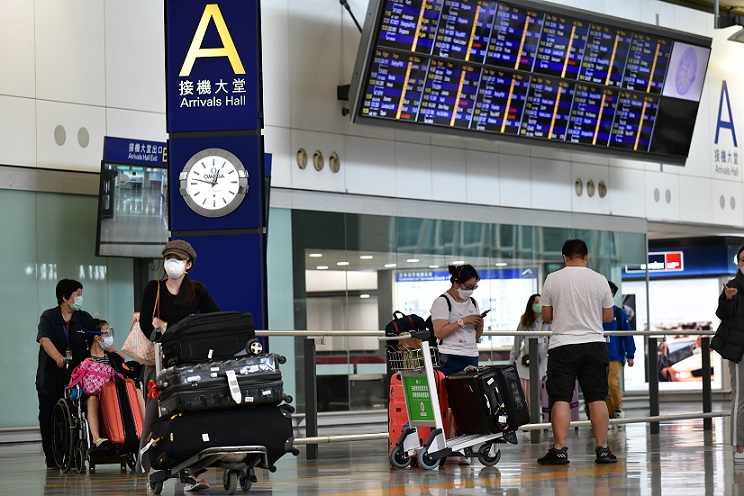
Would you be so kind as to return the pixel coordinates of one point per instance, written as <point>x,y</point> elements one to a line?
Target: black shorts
<point>585,362</point>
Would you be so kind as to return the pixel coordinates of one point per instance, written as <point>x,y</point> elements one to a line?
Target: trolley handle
<point>420,334</point>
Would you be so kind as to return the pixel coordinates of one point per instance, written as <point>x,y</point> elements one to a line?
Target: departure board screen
<point>530,71</point>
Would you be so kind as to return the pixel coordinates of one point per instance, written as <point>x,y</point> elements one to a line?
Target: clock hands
<point>205,181</point>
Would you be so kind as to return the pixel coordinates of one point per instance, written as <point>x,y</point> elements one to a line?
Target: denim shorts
<point>451,364</point>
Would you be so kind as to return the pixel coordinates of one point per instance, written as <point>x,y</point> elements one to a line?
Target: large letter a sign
<point>212,12</point>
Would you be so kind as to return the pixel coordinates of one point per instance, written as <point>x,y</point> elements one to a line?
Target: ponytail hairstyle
<point>462,273</point>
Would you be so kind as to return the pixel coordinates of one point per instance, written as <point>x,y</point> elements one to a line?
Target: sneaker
<point>604,455</point>
<point>196,485</point>
<point>464,460</point>
<point>555,457</point>
<point>738,457</point>
<point>619,414</point>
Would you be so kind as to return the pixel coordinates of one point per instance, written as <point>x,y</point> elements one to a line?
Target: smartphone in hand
<point>485,313</point>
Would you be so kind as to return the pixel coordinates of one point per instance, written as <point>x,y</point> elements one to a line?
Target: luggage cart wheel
<point>245,484</point>
<point>427,462</point>
<point>230,481</point>
<point>485,456</point>
<point>399,458</point>
<point>156,487</point>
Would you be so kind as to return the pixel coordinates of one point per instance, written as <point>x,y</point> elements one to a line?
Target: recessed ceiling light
<point>364,296</point>
<point>315,255</point>
<point>390,266</point>
<point>413,260</point>
<point>342,263</point>
<point>322,267</point>
<point>433,266</point>
<point>501,264</point>
<point>366,257</point>
<point>458,262</point>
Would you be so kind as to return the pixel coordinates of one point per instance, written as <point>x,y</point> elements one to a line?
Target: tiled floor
<point>682,460</point>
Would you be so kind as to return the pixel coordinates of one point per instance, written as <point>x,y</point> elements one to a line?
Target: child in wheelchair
<point>95,358</point>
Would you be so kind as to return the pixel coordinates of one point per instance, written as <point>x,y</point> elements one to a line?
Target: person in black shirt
<point>178,296</point>
<point>58,340</point>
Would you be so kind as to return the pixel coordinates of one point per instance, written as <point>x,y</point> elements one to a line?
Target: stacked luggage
<point>488,400</point>
<point>215,394</point>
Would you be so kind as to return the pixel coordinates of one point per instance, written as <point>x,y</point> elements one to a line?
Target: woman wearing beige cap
<point>177,297</point>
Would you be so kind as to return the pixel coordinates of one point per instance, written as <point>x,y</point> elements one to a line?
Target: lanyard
<point>66,327</point>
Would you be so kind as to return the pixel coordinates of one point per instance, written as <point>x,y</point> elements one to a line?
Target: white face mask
<point>108,341</point>
<point>174,268</point>
<point>464,293</point>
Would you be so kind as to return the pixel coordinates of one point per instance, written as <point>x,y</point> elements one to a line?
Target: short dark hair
<point>613,287</point>
<point>65,287</point>
<point>575,248</point>
<point>462,273</point>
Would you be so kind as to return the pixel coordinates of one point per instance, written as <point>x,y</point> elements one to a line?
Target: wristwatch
<point>460,323</point>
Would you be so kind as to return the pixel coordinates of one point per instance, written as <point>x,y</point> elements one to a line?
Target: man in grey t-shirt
<point>577,300</point>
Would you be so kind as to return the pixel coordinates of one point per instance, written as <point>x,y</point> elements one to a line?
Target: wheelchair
<point>71,442</point>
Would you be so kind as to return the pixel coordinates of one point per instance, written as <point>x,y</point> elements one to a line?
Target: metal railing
<point>312,440</point>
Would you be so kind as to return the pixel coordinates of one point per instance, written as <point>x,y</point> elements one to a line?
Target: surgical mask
<point>77,303</point>
<point>174,268</point>
<point>464,293</point>
<point>108,341</point>
<point>537,307</point>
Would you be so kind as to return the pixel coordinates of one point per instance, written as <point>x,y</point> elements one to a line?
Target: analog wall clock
<point>213,182</point>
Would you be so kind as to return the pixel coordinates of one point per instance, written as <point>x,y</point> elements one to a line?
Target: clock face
<point>213,182</point>
<point>686,71</point>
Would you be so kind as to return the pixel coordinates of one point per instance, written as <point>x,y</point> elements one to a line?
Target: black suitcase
<point>207,386</point>
<point>180,436</point>
<point>489,400</point>
<point>208,336</point>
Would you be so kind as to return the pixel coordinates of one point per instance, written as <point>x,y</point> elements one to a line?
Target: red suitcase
<point>398,417</point>
<point>121,417</point>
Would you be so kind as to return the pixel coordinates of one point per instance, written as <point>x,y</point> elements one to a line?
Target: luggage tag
<point>232,381</point>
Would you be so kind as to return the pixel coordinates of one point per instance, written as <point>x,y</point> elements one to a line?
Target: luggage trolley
<point>238,462</point>
<point>416,367</point>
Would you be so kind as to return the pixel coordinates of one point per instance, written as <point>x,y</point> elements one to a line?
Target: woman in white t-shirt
<point>458,324</point>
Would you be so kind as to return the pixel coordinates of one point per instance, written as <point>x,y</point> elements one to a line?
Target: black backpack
<point>433,341</point>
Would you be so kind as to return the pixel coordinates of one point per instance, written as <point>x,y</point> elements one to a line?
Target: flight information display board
<point>530,71</point>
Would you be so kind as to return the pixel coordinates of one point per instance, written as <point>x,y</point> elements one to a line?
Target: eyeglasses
<point>107,332</point>
<point>470,288</point>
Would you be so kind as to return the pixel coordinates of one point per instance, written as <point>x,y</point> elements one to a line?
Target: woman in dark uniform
<point>58,340</point>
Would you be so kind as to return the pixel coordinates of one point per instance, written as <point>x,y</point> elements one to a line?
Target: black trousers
<point>46,411</point>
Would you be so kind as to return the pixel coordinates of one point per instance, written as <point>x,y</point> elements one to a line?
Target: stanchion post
<point>707,390</point>
<point>311,398</point>
<point>653,383</point>
<point>535,411</point>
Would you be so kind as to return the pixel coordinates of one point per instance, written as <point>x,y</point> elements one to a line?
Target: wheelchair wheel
<point>63,444</point>
<point>132,461</point>
<point>80,457</point>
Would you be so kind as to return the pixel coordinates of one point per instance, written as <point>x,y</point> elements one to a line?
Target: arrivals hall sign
<point>217,86</point>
